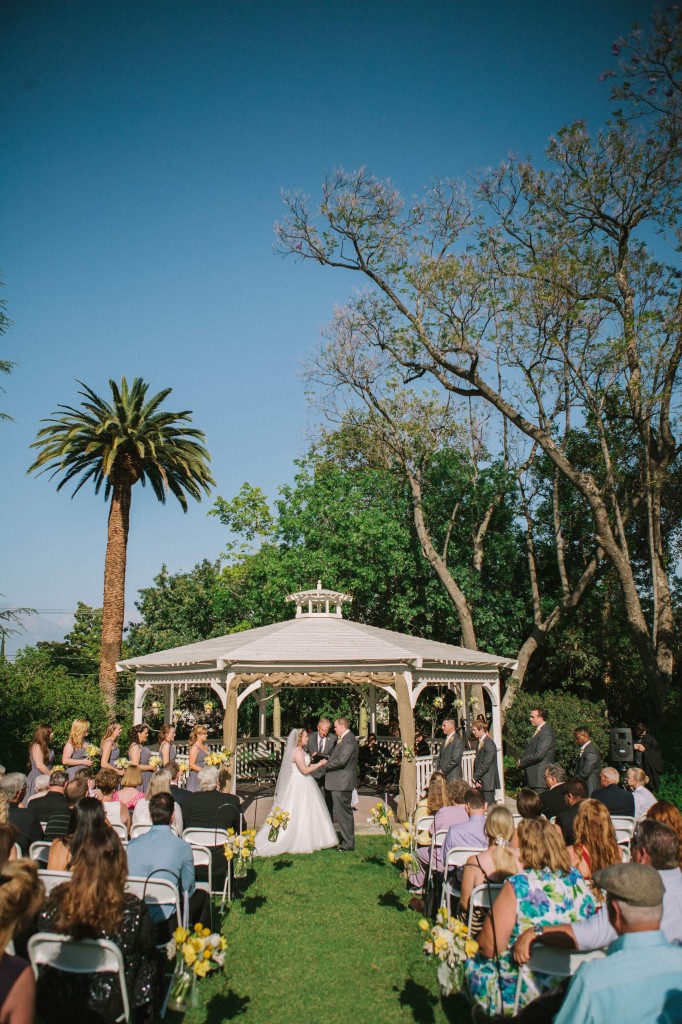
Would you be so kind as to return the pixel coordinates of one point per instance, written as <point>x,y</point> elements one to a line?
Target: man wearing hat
<point>640,979</point>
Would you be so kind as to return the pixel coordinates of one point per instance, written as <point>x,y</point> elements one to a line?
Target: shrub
<point>566,712</point>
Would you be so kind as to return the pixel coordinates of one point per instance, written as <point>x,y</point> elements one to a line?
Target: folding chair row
<point>562,963</point>
<point>155,892</point>
<point>85,956</point>
<point>456,858</point>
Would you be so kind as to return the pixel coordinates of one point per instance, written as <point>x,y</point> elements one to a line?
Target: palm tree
<point>116,444</point>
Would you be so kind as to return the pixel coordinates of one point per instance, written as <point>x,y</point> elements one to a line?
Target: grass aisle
<point>329,938</point>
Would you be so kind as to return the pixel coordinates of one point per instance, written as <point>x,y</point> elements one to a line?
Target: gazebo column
<point>407,797</point>
<point>276,716</point>
<point>372,708</point>
<point>230,721</point>
<point>168,703</point>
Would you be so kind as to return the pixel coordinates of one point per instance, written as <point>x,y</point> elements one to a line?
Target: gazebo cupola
<point>319,603</point>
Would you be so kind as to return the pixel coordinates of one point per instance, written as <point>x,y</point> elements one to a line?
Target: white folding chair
<point>562,963</point>
<point>138,830</point>
<point>624,827</point>
<point>456,858</point>
<point>86,956</point>
<point>201,855</point>
<point>208,837</point>
<point>51,879</point>
<point>158,892</point>
<point>39,852</point>
<point>120,830</point>
<point>482,896</point>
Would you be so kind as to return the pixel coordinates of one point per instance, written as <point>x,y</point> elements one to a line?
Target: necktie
<point>320,745</point>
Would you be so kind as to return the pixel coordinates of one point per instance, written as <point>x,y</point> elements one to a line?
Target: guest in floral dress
<point>41,757</point>
<point>548,892</point>
<point>198,751</point>
<point>75,752</point>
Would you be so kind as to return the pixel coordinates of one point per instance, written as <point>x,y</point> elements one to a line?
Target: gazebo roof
<point>315,640</point>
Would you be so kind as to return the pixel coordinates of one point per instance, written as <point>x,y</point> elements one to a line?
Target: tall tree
<point>118,443</point>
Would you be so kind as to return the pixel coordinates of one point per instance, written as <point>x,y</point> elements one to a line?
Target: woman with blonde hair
<point>636,780</point>
<point>94,904</point>
<point>198,751</point>
<point>41,758</point>
<point>595,844</point>
<point>130,791</point>
<point>21,895</point>
<point>110,749</point>
<point>8,833</point>
<point>495,864</point>
<point>547,891</point>
<point>75,752</point>
<point>160,783</point>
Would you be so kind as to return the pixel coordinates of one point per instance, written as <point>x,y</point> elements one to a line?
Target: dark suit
<point>53,802</point>
<point>587,767</point>
<point>565,821</point>
<point>650,760</point>
<point>27,825</point>
<point>540,751</point>
<point>341,780</point>
<point>450,757</point>
<point>616,800</point>
<point>180,795</point>
<point>313,747</point>
<point>553,800</point>
<point>485,769</point>
<point>212,810</point>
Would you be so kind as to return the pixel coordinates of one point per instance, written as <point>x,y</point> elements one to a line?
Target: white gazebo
<point>319,647</point>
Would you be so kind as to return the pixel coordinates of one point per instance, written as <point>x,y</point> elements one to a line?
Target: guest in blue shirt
<point>159,853</point>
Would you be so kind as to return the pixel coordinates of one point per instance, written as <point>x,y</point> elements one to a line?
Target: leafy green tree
<point>117,444</point>
<point>180,608</point>
<point>79,651</point>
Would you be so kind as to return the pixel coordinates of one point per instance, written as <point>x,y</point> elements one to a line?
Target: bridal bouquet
<point>182,761</point>
<point>239,847</point>
<point>122,763</point>
<point>447,940</point>
<point>218,758</point>
<point>402,851</point>
<point>155,762</point>
<point>277,819</point>
<point>382,815</point>
<point>196,953</point>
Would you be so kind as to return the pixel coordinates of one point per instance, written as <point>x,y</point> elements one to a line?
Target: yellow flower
<point>198,928</point>
<point>425,925</point>
<point>440,944</point>
<point>406,858</point>
<point>201,968</point>
<point>189,954</point>
<point>383,820</point>
<point>208,953</point>
<point>470,947</point>
<point>205,931</point>
<point>229,854</point>
<point>391,856</point>
<point>180,934</point>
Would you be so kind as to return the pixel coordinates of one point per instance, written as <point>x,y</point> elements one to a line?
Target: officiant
<point>320,745</point>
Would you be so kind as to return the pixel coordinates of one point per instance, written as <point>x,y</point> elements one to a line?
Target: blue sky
<point>145,146</point>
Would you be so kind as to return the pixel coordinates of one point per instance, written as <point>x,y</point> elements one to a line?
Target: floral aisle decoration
<point>402,851</point>
<point>277,819</point>
<point>447,940</point>
<point>155,762</point>
<point>122,763</point>
<point>219,758</point>
<point>196,954</point>
<point>382,815</point>
<point>239,848</point>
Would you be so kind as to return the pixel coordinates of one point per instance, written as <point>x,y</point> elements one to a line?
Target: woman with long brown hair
<point>9,834</point>
<point>41,757</point>
<point>21,894</point>
<point>595,844</point>
<point>436,797</point>
<point>198,751</point>
<point>94,904</point>
<point>167,750</point>
<point>86,817</point>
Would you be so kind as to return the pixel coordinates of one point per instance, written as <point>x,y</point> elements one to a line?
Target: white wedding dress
<point>310,827</point>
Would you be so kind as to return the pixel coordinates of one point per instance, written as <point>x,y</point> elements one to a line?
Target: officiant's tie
<point>321,745</point>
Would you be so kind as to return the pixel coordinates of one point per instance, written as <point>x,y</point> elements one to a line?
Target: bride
<point>310,827</point>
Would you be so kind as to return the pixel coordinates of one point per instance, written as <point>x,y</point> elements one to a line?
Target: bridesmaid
<point>74,755</point>
<point>167,749</point>
<point>197,753</point>
<point>139,754</point>
<point>41,757</point>
<point>110,749</point>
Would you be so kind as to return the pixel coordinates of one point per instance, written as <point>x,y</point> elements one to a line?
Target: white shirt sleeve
<point>594,932</point>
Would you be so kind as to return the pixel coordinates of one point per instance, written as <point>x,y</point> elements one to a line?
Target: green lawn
<point>327,937</point>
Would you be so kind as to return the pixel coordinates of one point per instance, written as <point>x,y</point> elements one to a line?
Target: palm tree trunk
<point>113,610</point>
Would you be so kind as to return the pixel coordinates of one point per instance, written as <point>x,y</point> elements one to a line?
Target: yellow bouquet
<point>382,815</point>
<point>277,819</point>
<point>92,751</point>
<point>122,763</point>
<point>448,941</point>
<point>182,761</point>
<point>155,762</point>
<point>402,851</point>
<point>196,953</point>
<point>239,848</point>
<point>218,758</point>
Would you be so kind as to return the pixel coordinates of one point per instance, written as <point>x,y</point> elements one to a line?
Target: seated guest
<point>435,798</point>
<point>129,794</point>
<point>8,833</point>
<point>159,853</point>
<point>213,807</point>
<point>24,819</point>
<point>495,864</point>
<point>576,792</point>
<point>547,891</point>
<point>654,845</point>
<point>89,775</point>
<point>53,801</point>
<point>107,780</point>
<point>58,823</point>
<point>40,788</point>
<point>454,812</point>
<point>528,805</point>
<point>177,792</point>
<point>553,801</point>
<point>669,815</point>
<point>595,844</point>
<point>615,799</point>
<point>636,781</point>
<point>86,817</point>
<point>94,904</point>
<point>639,979</point>
<point>21,896</point>
<point>470,832</point>
<point>421,747</point>
<point>159,783</point>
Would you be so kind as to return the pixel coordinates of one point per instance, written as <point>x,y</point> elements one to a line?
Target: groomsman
<point>588,764</point>
<point>540,751</point>
<point>450,756</point>
<point>486,774</point>
<point>320,745</point>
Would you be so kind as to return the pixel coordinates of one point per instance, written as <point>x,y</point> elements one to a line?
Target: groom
<point>341,779</point>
